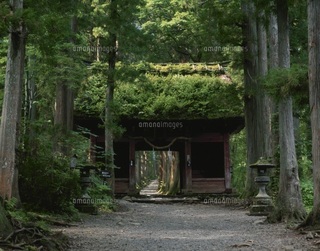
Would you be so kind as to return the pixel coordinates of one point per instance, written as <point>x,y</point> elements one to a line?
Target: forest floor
<point>179,226</point>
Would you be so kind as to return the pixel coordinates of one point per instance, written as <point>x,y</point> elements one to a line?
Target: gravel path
<point>140,226</point>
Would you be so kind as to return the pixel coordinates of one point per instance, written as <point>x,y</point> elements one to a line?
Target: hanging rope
<point>161,147</point>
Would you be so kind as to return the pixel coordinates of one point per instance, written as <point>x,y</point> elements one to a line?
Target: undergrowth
<point>32,231</point>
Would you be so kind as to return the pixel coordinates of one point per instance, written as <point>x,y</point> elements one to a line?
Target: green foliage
<point>32,231</point>
<point>48,24</point>
<point>307,193</point>
<point>46,181</point>
<point>190,31</point>
<point>293,81</point>
<point>3,61</point>
<point>299,32</point>
<point>5,16</point>
<point>179,97</point>
<point>304,142</point>
<point>169,96</point>
<point>100,193</point>
<point>98,190</point>
<point>47,71</point>
<point>48,184</point>
<point>22,216</point>
<point>238,161</point>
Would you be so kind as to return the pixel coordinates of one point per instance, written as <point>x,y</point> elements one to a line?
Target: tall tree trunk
<point>250,37</point>
<point>60,118</point>
<point>11,109</point>
<point>289,204</point>
<point>64,105</point>
<point>273,63</point>
<point>63,116</point>
<point>109,122</point>
<point>314,99</point>
<point>30,105</point>
<point>264,103</point>
<point>169,178</point>
<point>273,41</point>
<point>70,92</point>
<point>109,100</point>
<point>60,115</point>
<point>257,112</point>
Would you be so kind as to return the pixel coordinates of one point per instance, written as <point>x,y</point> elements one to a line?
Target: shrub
<point>46,181</point>
<point>307,193</point>
<point>100,193</point>
<point>238,160</point>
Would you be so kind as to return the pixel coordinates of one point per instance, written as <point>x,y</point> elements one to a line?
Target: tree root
<point>51,220</point>
<point>290,217</point>
<point>34,237</point>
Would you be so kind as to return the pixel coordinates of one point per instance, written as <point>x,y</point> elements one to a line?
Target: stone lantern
<point>262,203</point>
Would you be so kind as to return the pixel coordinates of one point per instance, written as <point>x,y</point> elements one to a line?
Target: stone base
<point>87,208</point>
<point>261,207</point>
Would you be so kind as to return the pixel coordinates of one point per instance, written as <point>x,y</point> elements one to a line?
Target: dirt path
<point>139,227</point>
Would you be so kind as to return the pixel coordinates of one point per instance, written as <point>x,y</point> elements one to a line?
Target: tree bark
<point>273,41</point>
<point>273,63</point>
<point>60,118</point>
<point>289,206</point>
<point>314,99</point>
<point>257,111</point>
<point>169,177</point>
<point>264,103</point>
<point>11,109</point>
<point>64,104</point>
<point>109,123</point>
<point>60,115</point>
<point>30,106</point>
<point>250,37</point>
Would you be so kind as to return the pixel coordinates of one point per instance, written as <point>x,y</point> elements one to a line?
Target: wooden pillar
<point>227,163</point>
<point>188,168</point>
<point>132,168</point>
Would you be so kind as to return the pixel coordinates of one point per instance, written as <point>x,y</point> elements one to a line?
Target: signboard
<point>105,174</point>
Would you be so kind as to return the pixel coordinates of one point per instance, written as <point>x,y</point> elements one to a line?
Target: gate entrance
<point>195,156</point>
<point>161,168</point>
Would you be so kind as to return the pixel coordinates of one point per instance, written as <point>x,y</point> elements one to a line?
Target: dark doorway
<point>121,159</point>
<point>207,160</point>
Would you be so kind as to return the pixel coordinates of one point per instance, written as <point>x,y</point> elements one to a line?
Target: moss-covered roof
<point>187,68</point>
<point>166,91</point>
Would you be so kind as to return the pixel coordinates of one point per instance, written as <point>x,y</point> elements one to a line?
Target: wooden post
<point>227,163</point>
<point>188,168</point>
<point>132,168</point>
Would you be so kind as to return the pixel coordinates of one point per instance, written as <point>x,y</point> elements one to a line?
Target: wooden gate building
<point>203,147</point>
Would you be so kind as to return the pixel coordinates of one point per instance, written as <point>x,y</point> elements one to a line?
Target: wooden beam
<point>209,137</point>
<point>227,163</point>
<point>188,167</point>
<point>132,167</point>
